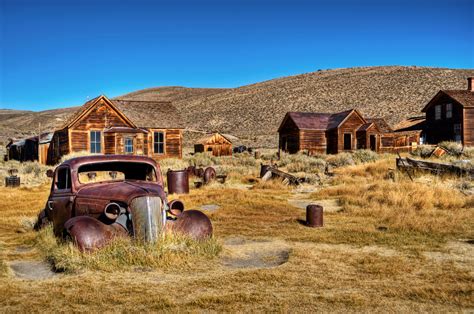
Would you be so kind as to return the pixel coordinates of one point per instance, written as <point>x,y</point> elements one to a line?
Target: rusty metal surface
<point>314,215</point>
<point>209,175</point>
<point>192,223</point>
<point>176,207</point>
<point>178,181</point>
<point>95,213</point>
<point>148,218</point>
<point>90,234</point>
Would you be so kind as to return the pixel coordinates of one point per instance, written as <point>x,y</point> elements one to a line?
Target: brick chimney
<point>470,84</point>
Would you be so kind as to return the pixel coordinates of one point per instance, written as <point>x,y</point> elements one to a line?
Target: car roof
<point>84,160</point>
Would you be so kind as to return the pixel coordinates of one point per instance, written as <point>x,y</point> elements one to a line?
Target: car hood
<point>123,191</point>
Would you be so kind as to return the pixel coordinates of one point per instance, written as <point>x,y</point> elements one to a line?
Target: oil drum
<point>314,215</point>
<point>178,181</point>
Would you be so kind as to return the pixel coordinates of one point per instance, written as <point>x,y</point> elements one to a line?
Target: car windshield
<point>116,171</point>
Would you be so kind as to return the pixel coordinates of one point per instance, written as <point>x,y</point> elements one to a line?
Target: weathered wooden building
<point>450,116</point>
<point>338,132</point>
<point>218,144</point>
<point>104,126</point>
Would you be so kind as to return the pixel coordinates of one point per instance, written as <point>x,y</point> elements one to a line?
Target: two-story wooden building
<point>333,133</point>
<point>450,116</point>
<point>104,126</point>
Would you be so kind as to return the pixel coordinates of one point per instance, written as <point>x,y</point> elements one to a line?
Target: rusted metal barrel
<point>314,215</point>
<point>263,170</point>
<point>178,181</point>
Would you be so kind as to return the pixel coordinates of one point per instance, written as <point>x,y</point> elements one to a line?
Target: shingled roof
<point>150,114</point>
<point>381,124</point>
<point>316,121</point>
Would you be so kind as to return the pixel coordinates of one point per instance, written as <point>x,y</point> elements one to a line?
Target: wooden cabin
<point>337,132</point>
<point>104,126</point>
<point>450,116</point>
<point>29,149</point>
<point>217,144</point>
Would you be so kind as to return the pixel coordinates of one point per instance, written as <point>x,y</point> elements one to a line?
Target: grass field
<point>388,244</point>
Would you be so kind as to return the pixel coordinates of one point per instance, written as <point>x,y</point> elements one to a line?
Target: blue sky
<point>57,53</point>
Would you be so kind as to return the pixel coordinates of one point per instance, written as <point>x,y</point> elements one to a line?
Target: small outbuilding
<point>218,144</point>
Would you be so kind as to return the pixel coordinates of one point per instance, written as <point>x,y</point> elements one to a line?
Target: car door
<point>61,201</point>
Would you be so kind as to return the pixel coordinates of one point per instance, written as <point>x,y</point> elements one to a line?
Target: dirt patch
<point>329,205</point>
<point>23,249</point>
<point>459,252</point>
<point>210,207</point>
<point>242,253</point>
<point>32,270</point>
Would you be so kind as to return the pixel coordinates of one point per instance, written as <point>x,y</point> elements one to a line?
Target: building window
<point>437,112</point>
<point>158,142</point>
<point>96,142</point>
<point>128,145</point>
<point>449,111</point>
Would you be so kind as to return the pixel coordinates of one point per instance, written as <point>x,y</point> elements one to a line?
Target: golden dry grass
<point>349,265</point>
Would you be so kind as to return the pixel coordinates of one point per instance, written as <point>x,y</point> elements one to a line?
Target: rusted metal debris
<point>178,181</point>
<point>270,172</point>
<point>314,216</point>
<point>13,180</point>
<point>94,213</point>
<point>408,164</point>
<point>207,175</point>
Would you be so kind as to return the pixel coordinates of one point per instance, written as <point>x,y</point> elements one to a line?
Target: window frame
<point>95,142</point>
<point>163,142</point>
<point>437,112</point>
<point>125,139</point>
<point>68,187</point>
<point>449,110</point>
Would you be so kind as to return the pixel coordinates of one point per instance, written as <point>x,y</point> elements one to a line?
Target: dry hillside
<point>253,112</point>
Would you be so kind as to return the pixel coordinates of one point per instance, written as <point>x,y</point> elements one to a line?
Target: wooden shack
<point>333,133</point>
<point>450,116</point>
<point>217,144</point>
<point>104,126</point>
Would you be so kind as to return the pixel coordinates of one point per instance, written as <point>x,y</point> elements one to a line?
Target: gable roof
<point>318,121</point>
<point>308,120</point>
<point>366,126</point>
<point>137,114</point>
<point>382,125</point>
<point>150,114</point>
<point>89,106</point>
<point>463,97</point>
<point>205,139</point>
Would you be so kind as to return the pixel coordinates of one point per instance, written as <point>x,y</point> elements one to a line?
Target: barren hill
<point>253,112</point>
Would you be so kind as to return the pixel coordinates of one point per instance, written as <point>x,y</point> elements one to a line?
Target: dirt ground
<point>362,260</point>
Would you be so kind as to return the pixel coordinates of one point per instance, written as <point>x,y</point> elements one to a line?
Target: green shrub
<point>423,151</point>
<point>308,165</point>
<point>341,160</point>
<point>364,156</point>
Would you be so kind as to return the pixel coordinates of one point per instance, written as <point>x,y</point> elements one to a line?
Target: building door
<point>347,141</point>
<point>373,143</point>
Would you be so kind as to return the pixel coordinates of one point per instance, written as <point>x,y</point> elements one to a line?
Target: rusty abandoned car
<point>94,199</point>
